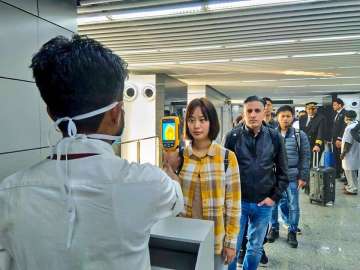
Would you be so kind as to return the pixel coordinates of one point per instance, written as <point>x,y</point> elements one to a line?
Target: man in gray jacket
<point>298,154</point>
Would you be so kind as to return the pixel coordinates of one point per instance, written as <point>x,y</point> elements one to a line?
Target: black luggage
<point>322,183</point>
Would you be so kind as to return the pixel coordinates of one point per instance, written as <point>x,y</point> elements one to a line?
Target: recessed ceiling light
<point>195,48</point>
<point>323,54</point>
<point>308,73</point>
<point>91,19</point>
<point>205,61</point>
<point>152,64</point>
<point>256,81</point>
<point>158,12</point>
<point>320,85</point>
<point>275,42</point>
<point>260,58</point>
<point>221,5</point>
<point>329,38</point>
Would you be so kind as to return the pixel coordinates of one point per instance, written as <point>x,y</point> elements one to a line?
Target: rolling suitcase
<point>322,183</point>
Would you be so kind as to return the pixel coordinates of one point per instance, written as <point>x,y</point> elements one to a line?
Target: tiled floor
<point>330,239</point>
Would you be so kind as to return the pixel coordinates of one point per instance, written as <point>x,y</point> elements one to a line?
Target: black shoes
<point>272,235</point>
<point>264,259</point>
<point>292,240</point>
<point>241,257</point>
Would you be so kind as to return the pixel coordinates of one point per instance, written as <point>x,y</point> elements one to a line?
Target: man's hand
<point>267,201</point>
<point>316,149</point>
<point>169,171</point>
<point>301,184</point>
<point>228,254</point>
<point>342,156</point>
<point>338,144</point>
<point>172,159</point>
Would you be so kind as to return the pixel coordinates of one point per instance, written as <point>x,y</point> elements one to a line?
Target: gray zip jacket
<point>298,154</point>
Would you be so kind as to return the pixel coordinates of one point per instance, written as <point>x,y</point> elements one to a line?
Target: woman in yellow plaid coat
<point>210,179</point>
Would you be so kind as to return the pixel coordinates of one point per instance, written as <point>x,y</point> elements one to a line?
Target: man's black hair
<point>77,76</point>
<point>268,99</point>
<point>285,108</point>
<point>351,114</point>
<point>255,98</point>
<point>339,101</point>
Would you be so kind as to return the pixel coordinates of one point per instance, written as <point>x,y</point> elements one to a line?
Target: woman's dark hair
<point>351,114</point>
<point>78,76</point>
<point>210,114</point>
<point>286,108</point>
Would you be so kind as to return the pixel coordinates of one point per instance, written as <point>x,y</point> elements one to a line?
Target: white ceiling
<point>226,48</point>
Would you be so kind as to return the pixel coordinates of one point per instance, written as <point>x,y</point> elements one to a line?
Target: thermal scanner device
<point>170,126</point>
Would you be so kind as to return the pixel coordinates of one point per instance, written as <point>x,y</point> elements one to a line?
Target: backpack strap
<point>298,138</point>
<point>226,160</point>
<point>233,137</point>
<point>275,140</point>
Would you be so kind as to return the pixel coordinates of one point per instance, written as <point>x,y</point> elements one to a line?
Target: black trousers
<point>338,165</point>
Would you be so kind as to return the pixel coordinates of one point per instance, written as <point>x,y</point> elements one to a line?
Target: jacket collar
<point>250,132</point>
<point>289,132</point>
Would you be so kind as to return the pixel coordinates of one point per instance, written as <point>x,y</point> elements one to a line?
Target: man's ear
<point>115,113</point>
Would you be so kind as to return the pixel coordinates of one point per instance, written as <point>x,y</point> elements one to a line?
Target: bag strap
<point>275,140</point>
<point>298,139</point>
<point>235,135</point>
<point>226,160</point>
<point>315,160</point>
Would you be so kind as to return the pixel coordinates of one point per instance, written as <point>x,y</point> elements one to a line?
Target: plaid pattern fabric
<point>220,193</point>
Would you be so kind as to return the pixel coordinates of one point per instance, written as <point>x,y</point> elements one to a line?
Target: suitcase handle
<point>331,147</point>
<point>316,160</point>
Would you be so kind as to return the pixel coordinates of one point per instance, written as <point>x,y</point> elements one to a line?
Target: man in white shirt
<point>350,155</point>
<point>82,207</point>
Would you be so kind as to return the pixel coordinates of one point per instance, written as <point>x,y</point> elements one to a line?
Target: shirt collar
<point>211,152</point>
<point>250,132</point>
<point>82,144</point>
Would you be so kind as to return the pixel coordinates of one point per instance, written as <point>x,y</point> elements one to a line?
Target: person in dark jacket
<point>338,128</point>
<point>313,124</point>
<point>269,119</point>
<point>298,154</point>
<point>261,155</point>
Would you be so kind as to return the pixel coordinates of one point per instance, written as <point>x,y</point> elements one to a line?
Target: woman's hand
<point>229,255</point>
